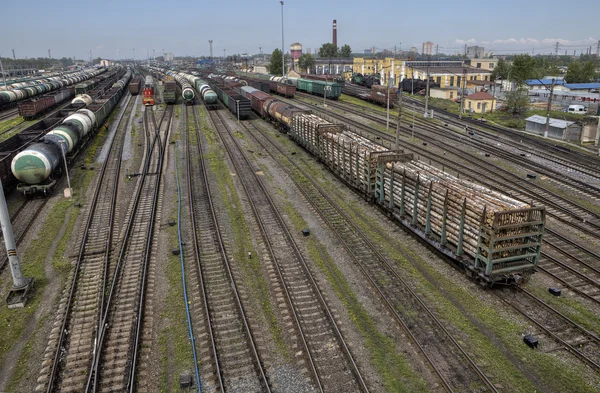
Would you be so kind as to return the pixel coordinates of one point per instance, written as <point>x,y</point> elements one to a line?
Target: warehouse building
<point>557,129</point>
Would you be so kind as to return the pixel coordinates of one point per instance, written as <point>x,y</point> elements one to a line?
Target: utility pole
<point>210,42</point>
<point>3,74</point>
<point>462,98</point>
<point>427,92</point>
<point>15,57</point>
<point>556,50</point>
<point>465,50</point>
<point>597,49</point>
<point>437,49</point>
<point>17,296</point>
<point>282,52</point>
<point>549,108</point>
<point>397,147</point>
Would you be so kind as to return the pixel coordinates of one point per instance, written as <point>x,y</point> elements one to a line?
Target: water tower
<point>295,52</point>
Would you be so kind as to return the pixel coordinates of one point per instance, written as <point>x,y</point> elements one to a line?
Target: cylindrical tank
<point>38,161</point>
<point>69,132</point>
<point>82,99</point>
<point>188,93</point>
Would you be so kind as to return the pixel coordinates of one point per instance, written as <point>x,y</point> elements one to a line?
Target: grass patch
<point>173,340</point>
<point>7,125</point>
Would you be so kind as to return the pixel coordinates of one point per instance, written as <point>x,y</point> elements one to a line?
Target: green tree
<point>579,72</point>
<point>275,64</point>
<point>501,71</point>
<point>517,102</point>
<point>306,61</point>
<point>345,51</point>
<point>328,50</point>
<point>524,67</point>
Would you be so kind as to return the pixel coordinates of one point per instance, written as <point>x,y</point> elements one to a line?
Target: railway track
<point>9,113</point>
<point>114,365</point>
<point>22,220</point>
<point>438,346</point>
<point>328,356</point>
<point>584,162</point>
<point>235,360</point>
<point>561,332</point>
<point>68,355</point>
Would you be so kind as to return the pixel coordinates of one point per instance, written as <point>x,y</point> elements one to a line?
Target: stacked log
<point>467,205</point>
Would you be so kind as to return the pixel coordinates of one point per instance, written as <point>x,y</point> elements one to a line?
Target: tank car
<point>35,165</point>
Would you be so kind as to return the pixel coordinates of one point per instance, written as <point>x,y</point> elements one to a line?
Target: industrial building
<point>557,129</point>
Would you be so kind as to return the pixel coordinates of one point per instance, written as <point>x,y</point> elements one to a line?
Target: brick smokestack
<point>335,32</point>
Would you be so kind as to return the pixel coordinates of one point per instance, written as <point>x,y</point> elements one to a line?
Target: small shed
<point>557,129</point>
<point>446,93</point>
<point>480,102</point>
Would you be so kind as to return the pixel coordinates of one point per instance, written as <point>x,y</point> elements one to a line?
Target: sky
<point>112,29</point>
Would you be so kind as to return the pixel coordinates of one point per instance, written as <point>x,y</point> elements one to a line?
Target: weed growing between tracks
<point>567,194</point>
<point>173,339</point>
<point>571,307</point>
<point>233,206</point>
<point>7,125</point>
<point>396,373</point>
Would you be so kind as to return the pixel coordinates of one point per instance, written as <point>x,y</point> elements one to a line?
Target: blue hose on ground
<point>187,305</point>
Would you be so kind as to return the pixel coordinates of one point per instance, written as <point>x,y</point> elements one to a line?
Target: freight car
<point>148,91</point>
<point>10,97</point>
<point>33,107</point>
<point>331,90</point>
<point>416,85</point>
<point>38,165</point>
<point>208,95</point>
<point>495,238</point>
<point>170,92</point>
<point>237,104</point>
<point>187,91</point>
<point>377,94</point>
<point>135,85</point>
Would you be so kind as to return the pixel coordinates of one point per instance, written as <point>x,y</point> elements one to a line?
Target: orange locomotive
<point>148,91</point>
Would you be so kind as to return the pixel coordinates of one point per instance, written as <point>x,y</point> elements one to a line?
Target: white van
<point>577,109</point>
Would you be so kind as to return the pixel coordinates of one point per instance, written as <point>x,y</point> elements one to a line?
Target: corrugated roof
<point>578,86</point>
<point>481,95</point>
<point>548,82</point>
<point>556,123</point>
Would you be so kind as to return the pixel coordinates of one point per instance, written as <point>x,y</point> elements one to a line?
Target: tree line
<point>307,60</point>
<point>525,67</point>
